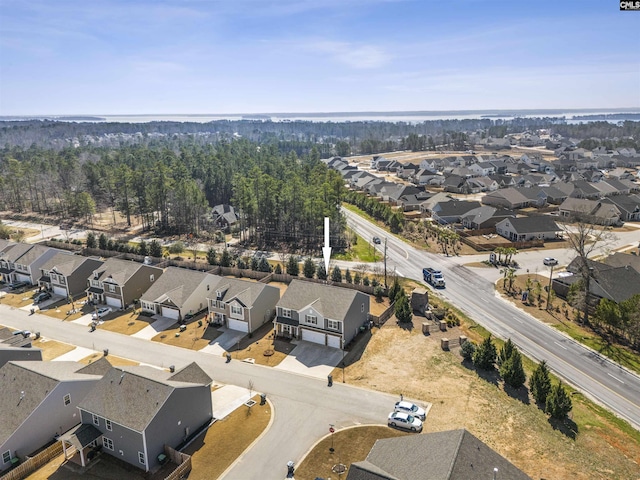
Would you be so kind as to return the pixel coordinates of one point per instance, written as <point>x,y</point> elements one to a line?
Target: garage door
<point>23,278</point>
<point>113,302</point>
<point>315,337</point>
<point>60,291</point>
<point>170,313</point>
<point>238,325</point>
<point>333,341</point>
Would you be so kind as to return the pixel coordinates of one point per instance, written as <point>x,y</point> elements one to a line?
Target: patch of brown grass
<point>61,309</point>
<point>224,441</point>
<point>262,342</point>
<point>19,298</point>
<point>114,361</point>
<point>350,445</point>
<point>51,348</point>
<point>191,338</point>
<point>127,322</point>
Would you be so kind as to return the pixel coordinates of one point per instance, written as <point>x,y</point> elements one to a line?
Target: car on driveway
<point>404,420</point>
<point>41,297</point>
<point>411,409</point>
<point>101,312</point>
<point>550,261</point>
<point>17,285</point>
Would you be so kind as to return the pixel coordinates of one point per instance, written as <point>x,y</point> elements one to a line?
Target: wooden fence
<point>181,459</point>
<point>31,464</point>
<point>379,320</point>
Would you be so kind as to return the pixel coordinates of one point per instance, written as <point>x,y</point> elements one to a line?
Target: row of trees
<point>554,399</point>
<point>378,210</point>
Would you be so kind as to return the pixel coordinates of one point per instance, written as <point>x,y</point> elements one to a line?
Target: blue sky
<point>251,56</point>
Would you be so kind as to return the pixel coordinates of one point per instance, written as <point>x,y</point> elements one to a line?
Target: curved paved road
<point>600,379</point>
<point>303,406</point>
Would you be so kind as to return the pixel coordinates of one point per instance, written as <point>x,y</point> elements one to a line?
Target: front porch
<point>286,328</point>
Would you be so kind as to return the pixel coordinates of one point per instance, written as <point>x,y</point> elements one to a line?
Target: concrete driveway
<point>224,343</point>
<point>311,359</point>
<point>150,331</point>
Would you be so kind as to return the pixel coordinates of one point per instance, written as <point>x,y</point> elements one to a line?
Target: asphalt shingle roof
<point>177,284</point>
<point>542,223</point>
<point>332,302</point>
<point>119,270</point>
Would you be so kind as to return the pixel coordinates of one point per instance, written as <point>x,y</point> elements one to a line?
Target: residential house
<point>579,189</point>
<point>504,181</point>
<point>393,195</point>
<point>510,198</point>
<point>427,205</point>
<point>595,211</point>
<point>410,203</point>
<point>407,170</point>
<point>627,205</point>
<point>5,271</point>
<point>524,229</point>
<point>552,195</point>
<point>427,177</point>
<point>480,184</point>
<point>451,212</point>
<point>323,314</point>
<point>178,292</point>
<point>620,259</point>
<point>482,169</point>
<point>224,216</point>
<point>449,455</point>
<point>242,305</point>
<point>66,274</point>
<point>485,217</point>
<point>135,411</point>
<point>118,283</point>
<point>16,347</point>
<point>38,401</point>
<point>22,261</point>
<point>454,184</point>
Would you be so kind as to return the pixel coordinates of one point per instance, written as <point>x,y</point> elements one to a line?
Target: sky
<point>117,57</point>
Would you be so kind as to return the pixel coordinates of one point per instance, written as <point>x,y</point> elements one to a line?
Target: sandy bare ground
<point>507,421</point>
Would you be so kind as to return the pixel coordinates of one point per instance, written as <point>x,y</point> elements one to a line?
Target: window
<point>6,456</point>
<point>62,280</point>
<point>96,420</point>
<point>108,424</point>
<point>152,277</point>
<point>207,288</point>
<point>236,310</point>
<point>108,443</point>
<point>141,458</point>
<point>362,308</point>
<point>286,313</point>
<point>311,319</point>
<point>333,324</point>
<point>67,399</point>
<point>111,288</point>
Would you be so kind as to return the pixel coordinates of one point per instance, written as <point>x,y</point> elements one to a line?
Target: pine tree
<point>321,273</point>
<point>155,249</point>
<point>264,265</point>
<point>293,268</point>
<point>278,269</point>
<point>308,268</point>
<point>142,248</point>
<point>402,309</point>
<point>225,258</point>
<point>254,263</point>
<point>347,276</point>
<point>511,370</point>
<point>540,383</point>
<point>211,256</point>
<point>485,355</point>
<point>91,240</point>
<point>394,290</point>
<point>102,242</point>
<point>505,352</point>
<point>558,403</point>
<point>336,275</point>
<point>467,350</point>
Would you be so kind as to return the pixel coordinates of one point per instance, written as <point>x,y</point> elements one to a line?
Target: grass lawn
<point>224,441</point>
<point>62,309</point>
<point>360,251</point>
<point>350,445</point>
<point>557,319</point>
<point>262,348</point>
<point>127,322</point>
<point>51,348</point>
<point>19,298</point>
<point>194,337</point>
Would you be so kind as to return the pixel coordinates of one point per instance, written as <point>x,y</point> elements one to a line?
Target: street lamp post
<point>549,288</point>
<point>342,360</point>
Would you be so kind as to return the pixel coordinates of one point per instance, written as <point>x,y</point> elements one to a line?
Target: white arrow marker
<point>326,250</point>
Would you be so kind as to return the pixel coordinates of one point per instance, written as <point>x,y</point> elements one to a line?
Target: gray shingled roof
<point>620,259</point>
<point>37,380</point>
<point>4,244</point>
<point>244,291</point>
<point>64,263</point>
<point>451,455</point>
<point>177,285</point>
<point>119,270</point>
<point>34,254</point>
<point>535,224</point>
<point>99,367</point>
<point>17,251</point>
<point>132,396</point>
<point>332,302</point>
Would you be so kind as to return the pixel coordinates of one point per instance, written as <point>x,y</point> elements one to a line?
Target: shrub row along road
<point>303,406</point>
<point>602,380</point>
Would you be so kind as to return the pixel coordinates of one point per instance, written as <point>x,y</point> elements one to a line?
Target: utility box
<point>444,344</point>
<point>419,300</point>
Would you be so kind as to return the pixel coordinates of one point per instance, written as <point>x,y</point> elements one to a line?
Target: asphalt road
<point>602,380</point>
<point>304,407</point>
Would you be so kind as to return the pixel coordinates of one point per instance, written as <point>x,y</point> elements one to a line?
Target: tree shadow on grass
<point>491,376</point>
<point>408,326</point>
<point>567,426</point>
<point>521,393</point>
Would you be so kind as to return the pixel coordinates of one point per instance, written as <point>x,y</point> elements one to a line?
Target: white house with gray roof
<point>135,411</point>
<point>179,292</point>
<point>38,402</point>
<point>242,305</point>
<point>118,283</point>
<point>319,313</point>
<point>523,229</point>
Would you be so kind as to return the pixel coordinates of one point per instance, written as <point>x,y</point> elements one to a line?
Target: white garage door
<point>170,313</point>
<point>60,291</point>
<point>23,278</point>
<point>333,341</point>
<point>311,336</point>
<point>113,302</point>
<point>238,325</point>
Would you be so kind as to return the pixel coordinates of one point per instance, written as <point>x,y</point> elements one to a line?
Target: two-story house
<point>178,292</point>
<point>22,262</point>
<point>242,305</point>
<point>320,313</point>
<point>118,283</point>
<point>135,411</point>
<point>38,401</point>
<point>66,274</point>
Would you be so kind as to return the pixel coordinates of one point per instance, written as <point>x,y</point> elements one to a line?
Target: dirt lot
<point>506,420</point>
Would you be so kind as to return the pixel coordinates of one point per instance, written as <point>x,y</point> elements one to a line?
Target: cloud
<point>350,54</point>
